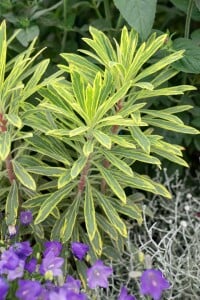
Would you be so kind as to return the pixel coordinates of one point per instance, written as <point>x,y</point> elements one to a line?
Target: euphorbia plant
<point>80,162</point>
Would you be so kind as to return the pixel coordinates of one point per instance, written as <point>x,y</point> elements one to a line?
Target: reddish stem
<point>82,181</point>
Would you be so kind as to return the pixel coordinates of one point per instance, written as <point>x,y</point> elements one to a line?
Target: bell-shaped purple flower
<point>3,289</point>
<point>51,263</point>
<point>153,283</point>
<point>98,274</point>
<point>53,246</point>
<point>30,265</point>
<point>28,290</point>
<point>22,250</point>
<point>26,217</point>
<point>124,295</point>
<point>79,250</point>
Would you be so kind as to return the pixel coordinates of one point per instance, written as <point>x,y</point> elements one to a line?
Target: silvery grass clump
<point>169,241</point>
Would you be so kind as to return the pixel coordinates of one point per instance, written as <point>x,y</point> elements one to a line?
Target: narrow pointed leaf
<point>23,176</point>
<point>89,212</point>
<point>51,202</point>
<point>113,183</point>
<point>78,166</point>
<point>118,163</point>
<point>12,204</point>
<point>102,138</point>
<point>141,139</point>
<point>70,219</point>
<point>111,213</point>
<point>5,145</point>
<point>64,179</point>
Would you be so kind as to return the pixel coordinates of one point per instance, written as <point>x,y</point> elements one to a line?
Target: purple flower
<point>30,266</point>
<point>18,272</point>
<point>79,250</point>
<point>11,265</point>
<point>28,290</point>
<point>72,284</point>
<point>53,246</point>
<point>3,288</point>
<point>9,260</point>
<point>124,295</point>
<point>98,274</point>
<point>63,294</point>
<point>26,217</point>
<point>22,250</point>
<point>153,283</point>
<point>51,264</point>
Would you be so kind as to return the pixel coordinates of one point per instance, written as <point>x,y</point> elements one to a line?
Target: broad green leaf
<point>118,163</point>
<point>140,138</point>
<point>12,204</point>
<point>102,138</point>
<point>78,166</point>
<point>111,213</point>
<point>113,183</point>
<point>55,232</point>
<point>89,212</point>
<point>23,176</point>
<point>70,219</point>
<point>64,179</point>
<point>5,145</point>
<point>139,14</point>
<point>51,202</point>
<point>106,226</point>
<point>197,2</point>
<point>171,126</point>
<point>190,63</point>
<point>14,120</point>
<point>27,35</point>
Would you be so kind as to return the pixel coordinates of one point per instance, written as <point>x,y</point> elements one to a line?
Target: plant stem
<point>187,28</point>
<point>84,173</point>
<point>107,12</point>
<point>65,2</point>
<point>188,19</point>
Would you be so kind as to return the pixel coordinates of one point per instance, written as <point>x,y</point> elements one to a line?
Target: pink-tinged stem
<point>84,173</point>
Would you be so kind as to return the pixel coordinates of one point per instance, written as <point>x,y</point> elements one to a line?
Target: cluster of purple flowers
<point>17,264</point>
